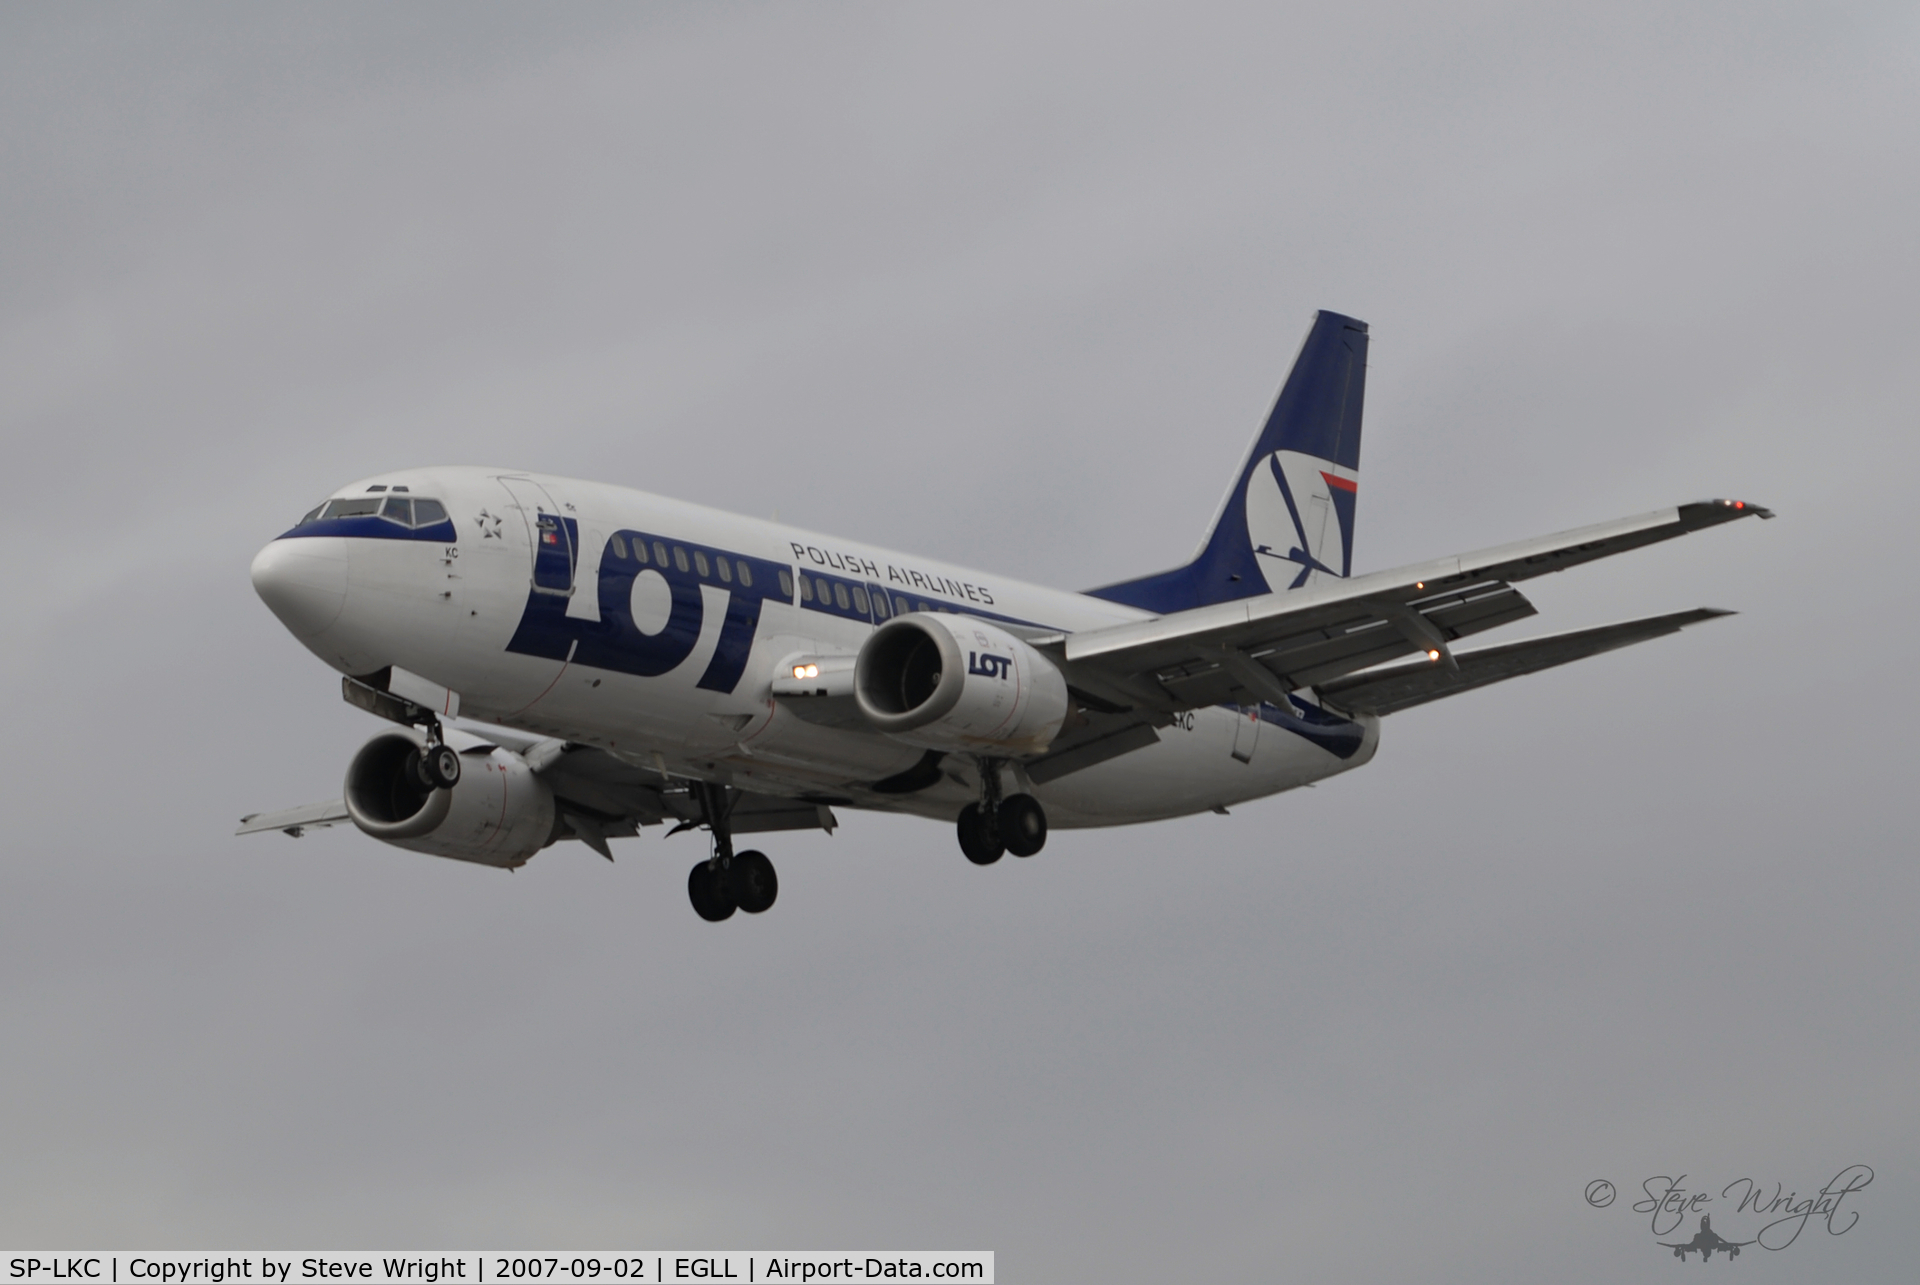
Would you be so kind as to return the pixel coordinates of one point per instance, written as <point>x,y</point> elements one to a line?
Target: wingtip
<point>1744,508</point>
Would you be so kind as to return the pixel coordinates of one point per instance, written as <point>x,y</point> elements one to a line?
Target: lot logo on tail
<point>1300,518</point>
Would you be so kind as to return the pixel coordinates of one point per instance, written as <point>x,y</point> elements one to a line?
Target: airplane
<point>1704,1242</point>
<point>618,660</point>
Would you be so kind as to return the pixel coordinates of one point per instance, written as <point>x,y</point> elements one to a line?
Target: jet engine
<point>953,683</point>
<point>498,813</point>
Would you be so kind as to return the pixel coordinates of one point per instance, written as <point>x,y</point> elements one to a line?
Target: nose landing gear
<point>995,825</point>
<point>728,881</point>
<point>439,763</point>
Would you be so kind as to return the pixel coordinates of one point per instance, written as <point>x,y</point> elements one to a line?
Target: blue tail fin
<point>1287,520</point>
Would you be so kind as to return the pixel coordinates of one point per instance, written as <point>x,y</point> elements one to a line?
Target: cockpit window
<point>362,508</point>
<point>313,514</point>
<point>401,510</point>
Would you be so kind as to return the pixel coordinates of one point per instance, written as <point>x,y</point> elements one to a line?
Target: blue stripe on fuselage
<point>1338,736</point>
<point>372,527</point>
<point>616,643</point>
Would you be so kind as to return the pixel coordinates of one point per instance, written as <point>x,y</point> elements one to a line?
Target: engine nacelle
<point>953,683</point>
<point>498,814</point>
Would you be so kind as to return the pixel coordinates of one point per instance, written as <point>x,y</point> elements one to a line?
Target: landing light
<point>1433,654</point>
<point>806,671</point>
<point>1419,584</point>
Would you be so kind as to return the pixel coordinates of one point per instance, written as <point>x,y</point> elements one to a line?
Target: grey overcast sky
<point>1009,285</point>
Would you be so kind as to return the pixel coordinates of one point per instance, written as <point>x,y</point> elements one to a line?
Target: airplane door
<point>552,536</point>
<point>1246,731</point>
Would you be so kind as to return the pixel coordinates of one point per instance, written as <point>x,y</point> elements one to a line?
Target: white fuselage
<point>533,604</point>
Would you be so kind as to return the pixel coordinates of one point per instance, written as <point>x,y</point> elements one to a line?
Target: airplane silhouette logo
<point>1705,1241</point>
<point>1279,493</point>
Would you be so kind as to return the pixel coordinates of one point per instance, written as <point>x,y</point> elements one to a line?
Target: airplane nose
<point>304,582</point>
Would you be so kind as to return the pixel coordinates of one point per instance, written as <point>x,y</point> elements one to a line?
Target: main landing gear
<point>728,880</point>
<point>1015,824</point>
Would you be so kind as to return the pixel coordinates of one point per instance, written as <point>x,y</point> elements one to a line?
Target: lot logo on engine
<point>990,666</point>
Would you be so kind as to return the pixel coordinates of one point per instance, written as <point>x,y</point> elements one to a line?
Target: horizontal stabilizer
<point>1388,691</point>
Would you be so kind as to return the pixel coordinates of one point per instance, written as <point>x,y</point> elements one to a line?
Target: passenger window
<point>619,544</point>
<point>398,509</point>
<point>880,605</point>
<point>860,600</point>
<point>364,508</point>
<point>901,606</point>
<point>725,568</point>
<point>806,588</point>
<point>679,557</point>
<point>700,563</point>
<point>786,582</point>
<point>840,596</point>
<point>746,574</point>
<point>660,555</point>
<point>640,551</point>
<point>428,512</point>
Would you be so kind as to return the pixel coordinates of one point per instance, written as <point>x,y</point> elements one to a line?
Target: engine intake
<point>499,813</point>
<point>954,683</point>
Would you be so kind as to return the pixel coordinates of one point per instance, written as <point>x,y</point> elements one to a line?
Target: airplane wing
<point>1262,648</point>
<point>597,786</point>
<point>598,796</point>
<point>295,821</point>
<point>1388,691</point>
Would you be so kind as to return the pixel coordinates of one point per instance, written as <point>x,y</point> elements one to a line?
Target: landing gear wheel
<point>440,766</point>
<point>1023,825</point>
<point>979,836</point>
<point>708,891</point>
<point>752,881</point>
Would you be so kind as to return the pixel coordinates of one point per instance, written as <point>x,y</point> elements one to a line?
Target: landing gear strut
<point>728,881</point>
<point>1015,824</point>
